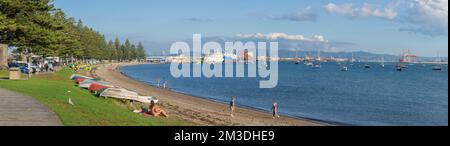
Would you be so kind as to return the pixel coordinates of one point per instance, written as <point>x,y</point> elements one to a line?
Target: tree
<point>111,51</point>
<point>133,52</point>
<point>30,25</point>
<point>124,52</point>
<point>117,50</point>
<point>37,27</point>
<point>140,51</point>
<point>127,50</point>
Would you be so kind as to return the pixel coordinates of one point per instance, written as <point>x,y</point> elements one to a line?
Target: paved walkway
<point>20,110</point>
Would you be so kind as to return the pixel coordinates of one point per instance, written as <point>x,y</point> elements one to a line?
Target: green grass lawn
<point>4,74</point>
<point>52,90</point>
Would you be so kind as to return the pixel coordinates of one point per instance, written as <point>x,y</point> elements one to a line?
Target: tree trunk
<point>3,56</point>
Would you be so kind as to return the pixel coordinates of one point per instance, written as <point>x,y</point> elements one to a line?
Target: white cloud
<point>366,10</point>
<point>428,17</point>
<point>278,36</point>
<point>302,15</point>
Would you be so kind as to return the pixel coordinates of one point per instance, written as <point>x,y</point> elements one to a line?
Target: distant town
<point>405,57</point>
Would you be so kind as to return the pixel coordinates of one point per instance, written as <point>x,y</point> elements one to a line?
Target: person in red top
<point>275,110</point>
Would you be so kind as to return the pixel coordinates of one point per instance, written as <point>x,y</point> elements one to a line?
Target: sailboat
<point>296,56</point>
<point>352,61</point>
<point>318,60</point>
<point>382,62</point>
<point>344,68</point>
<point>438,67</point>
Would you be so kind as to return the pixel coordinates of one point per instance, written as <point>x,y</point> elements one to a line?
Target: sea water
<point>360,96</point>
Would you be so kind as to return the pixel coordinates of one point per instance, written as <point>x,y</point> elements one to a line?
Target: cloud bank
<point>428,17</point>
<point>278,36</point>
<point>300,16</point>
<point>366,10</point>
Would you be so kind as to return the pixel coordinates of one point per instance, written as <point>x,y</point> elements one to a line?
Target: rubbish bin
<point>14,74</point>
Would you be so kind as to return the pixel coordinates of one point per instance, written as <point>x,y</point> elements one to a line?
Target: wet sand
<point>195,109</point>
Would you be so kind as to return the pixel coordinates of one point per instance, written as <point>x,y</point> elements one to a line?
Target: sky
<point>377,26</point>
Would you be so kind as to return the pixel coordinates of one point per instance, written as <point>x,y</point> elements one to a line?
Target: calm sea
<point>376,96</point>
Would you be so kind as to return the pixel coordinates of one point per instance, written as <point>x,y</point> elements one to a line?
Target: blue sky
<point>379,26</point>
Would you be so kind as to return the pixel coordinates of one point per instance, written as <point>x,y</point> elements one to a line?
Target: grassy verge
<point>52,90</point>
<point>4,74</point>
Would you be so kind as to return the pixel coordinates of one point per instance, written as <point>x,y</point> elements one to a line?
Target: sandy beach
<point>195,109</point>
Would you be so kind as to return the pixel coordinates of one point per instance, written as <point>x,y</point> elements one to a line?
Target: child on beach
<point>275,110</point>
<point>232,106</point>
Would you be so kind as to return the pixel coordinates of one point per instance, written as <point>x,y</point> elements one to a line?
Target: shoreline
<point>200,110</point>
<point>322,122</point>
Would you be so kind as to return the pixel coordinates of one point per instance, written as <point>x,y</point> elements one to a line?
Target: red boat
<point>96,87</point>
<point>79,80</point>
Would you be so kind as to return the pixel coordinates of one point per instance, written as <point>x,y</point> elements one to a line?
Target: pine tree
<point>133,52</point>
<point>127,50</point>
<point>111,51</point>
<point>37,27</point>
<point>117,50</point>
<point>141,51</point>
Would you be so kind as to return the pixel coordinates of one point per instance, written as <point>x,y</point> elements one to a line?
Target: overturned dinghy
<point>118,93</point>
<point>79,80</point>
<point>87,83</point>
<point>75,76</point>
<point>123,94</point>
<point>95,87</point>
<point>146,99</point>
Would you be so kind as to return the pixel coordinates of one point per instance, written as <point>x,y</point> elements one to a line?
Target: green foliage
<point>37,27</point>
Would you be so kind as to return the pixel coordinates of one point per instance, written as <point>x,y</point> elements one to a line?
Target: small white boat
<point>119,93</point>
<point>437,68</point>
<point>87,83</point>
<point>74,76</point>
<point>344,68</point>
<point>146,99</point>
<point>317,66</point>
<point>123,94</point>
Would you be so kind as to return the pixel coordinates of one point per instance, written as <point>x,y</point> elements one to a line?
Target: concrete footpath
<point>20,110</point>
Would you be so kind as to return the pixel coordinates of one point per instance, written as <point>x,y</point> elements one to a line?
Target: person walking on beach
<point>275,110</point>
<point>232,106</point>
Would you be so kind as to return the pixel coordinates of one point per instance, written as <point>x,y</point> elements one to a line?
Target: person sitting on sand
<point>275,110</point>
<point>154,110</point>
<point>232,106</point>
